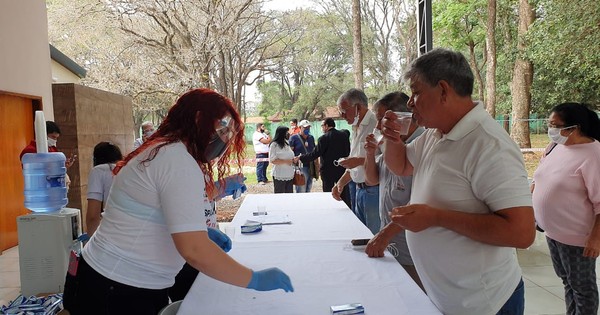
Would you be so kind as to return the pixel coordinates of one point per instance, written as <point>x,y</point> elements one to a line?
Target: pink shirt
<point>566,198</point>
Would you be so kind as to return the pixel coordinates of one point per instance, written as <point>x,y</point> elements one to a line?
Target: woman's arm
<point>93,215</point>
<point>204,255</point>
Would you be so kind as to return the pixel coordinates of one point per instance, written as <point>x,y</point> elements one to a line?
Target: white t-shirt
<point>475,168</point>
<point>147,203</point>
<point>281,171</point>
<point>99,182</point>
<point>357,146</point>
<point>259,147</point>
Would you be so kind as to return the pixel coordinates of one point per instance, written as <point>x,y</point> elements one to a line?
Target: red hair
<point>192,121</point>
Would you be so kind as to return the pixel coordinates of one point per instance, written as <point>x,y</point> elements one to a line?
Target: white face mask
<point>555,136</point>
<point>355,121</point>
<point>51,142</point>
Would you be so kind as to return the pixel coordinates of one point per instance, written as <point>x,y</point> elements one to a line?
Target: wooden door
<point>16,131</point>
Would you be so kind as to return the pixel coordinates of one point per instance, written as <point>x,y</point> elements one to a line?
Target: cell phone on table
<point>360,242</point>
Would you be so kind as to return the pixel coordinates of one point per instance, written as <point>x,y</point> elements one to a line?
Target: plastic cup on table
<point>404,119</point>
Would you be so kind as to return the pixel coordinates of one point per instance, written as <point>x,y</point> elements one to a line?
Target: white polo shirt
<point>259,147</point>
<point>475,168</point>
<point>357,146</point>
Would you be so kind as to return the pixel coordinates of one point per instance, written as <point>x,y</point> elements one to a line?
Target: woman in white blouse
<point>100,179</point>
<point>283,160</point>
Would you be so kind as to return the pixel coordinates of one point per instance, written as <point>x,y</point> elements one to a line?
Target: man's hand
<point>377,245</point>
<point>337,193</point>
<point>351,162</point>
<point>390,128</point>
<point>371,145</point>
<point>415,218</point>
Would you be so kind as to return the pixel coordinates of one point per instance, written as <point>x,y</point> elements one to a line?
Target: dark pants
<point>578,275</point>
<point>261,167</point>
<point>91,293</point>
<point>183,282</point>
<point>328,184</point>
<point>283,186</point>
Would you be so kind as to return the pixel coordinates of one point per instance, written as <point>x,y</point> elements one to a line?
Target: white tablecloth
<point>314,216</point>
<point>315,252</point>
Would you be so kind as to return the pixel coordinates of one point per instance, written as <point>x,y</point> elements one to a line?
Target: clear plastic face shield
<point>220,140</point>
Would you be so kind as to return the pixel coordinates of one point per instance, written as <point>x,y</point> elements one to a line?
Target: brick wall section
<point>87,116</point>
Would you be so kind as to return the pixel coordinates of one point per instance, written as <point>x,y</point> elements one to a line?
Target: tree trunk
<point>476,71</point>
<point>522,80</point>
<point>490,75</point>
<point>357,45</point>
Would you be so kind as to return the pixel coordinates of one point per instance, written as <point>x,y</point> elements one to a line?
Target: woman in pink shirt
<point>566,200</point>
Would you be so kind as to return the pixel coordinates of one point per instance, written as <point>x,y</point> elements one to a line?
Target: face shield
<point>220,140</point>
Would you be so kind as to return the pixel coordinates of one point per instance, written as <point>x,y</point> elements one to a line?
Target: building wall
<point>60,74</point>
<point>24,51</point>
<point>86,117</point>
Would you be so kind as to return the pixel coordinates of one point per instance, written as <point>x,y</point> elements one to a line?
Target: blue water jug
<point>45,185</point>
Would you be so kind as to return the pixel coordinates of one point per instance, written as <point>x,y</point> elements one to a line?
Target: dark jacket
<point>333,145</point>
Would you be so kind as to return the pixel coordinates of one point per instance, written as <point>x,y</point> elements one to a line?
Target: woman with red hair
<point>154,220</point>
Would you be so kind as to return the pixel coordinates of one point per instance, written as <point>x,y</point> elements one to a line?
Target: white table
<point>314,216</point>
<point>325,269</point>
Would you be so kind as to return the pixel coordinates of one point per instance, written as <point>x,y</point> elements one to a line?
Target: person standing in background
<point>393,190</point>
<point>147,131</point>
<point>352,105</point>
<point>100,179</point>
<point>282,157</point>
<point>261,141</point>
<point>304,143</point>
<point>566,201</point>
<point>52,132</point>
<point>294,129</point>
<point>331,146</point>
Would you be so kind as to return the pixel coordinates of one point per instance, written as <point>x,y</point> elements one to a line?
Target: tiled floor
<point>543,290</point>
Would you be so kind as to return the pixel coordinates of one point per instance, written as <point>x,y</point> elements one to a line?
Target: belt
<point>363,185</point>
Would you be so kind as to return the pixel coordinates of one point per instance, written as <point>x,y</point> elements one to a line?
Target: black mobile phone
<point>360,242</point>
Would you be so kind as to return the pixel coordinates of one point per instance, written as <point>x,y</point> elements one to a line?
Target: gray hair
<point>395,101</point>
<point>443,64</point>
<point>147,123</point>
<point>354,97</point>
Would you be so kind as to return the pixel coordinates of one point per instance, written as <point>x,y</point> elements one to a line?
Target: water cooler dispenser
<point>45,240</point>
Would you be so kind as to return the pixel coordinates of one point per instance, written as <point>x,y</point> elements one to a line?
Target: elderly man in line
<point>147,131</point>
<point>470,205</point>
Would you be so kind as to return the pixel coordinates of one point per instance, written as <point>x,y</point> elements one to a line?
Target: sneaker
<point>261,183</point>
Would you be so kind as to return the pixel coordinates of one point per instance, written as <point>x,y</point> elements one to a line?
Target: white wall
<point>60,74</point>
<point>24,51</point>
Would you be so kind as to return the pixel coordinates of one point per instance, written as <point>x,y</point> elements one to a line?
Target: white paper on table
<point>272,219</point>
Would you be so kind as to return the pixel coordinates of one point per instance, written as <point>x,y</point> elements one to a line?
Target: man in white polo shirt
<point>352,105</point>
<point>470,204</point>
<point>261,141</point>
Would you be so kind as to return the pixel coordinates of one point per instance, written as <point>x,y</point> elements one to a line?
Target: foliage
<point>565,52</point>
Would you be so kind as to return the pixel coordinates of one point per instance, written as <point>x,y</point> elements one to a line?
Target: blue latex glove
<point>234,186</point>
<point>220,238</point>
<point>270,279</point>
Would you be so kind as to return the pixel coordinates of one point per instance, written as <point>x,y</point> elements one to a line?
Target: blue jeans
<point>367,207</point>
<point>261,167</point>
<point>308,184</point>
<point>516,303</point>
<point>352,188</point>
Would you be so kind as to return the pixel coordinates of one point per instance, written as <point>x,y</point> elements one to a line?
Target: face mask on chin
<point>355,121</point>
<point>556,137</point>
<point>51,142</point>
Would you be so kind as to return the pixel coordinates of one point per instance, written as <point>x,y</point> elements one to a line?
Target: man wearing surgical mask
<point>147,131</point>
<point>304,143</point>
<point>352,106</point>
<point>52,132</point>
